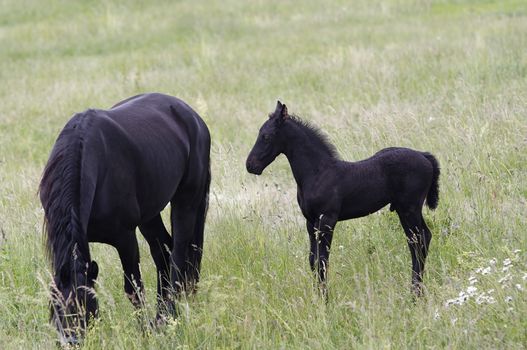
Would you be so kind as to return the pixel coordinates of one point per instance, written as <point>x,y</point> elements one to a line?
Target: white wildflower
<point>341,247</point>
<point>507,262</point>
<point>524,277</point>
<point>506,268</point>
<point>492,261</point>
<point>453,321</point>
<point>505,278</point>
<point>508,299</point>
<point>486,271</point>
<point>472,280</point>
<point>519,287</point>
<point>457,301</point>
<point>450,302</point>
<point>484,298</point>
<point>463,296</point>
<point>471,290</point>
<point>437,316</point>
<point>517,252</point>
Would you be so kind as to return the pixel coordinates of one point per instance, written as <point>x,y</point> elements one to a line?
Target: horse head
<point>270,141</point>
<point>73,300</point>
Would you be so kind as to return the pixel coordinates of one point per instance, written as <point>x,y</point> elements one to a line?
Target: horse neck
<point>306,157</point>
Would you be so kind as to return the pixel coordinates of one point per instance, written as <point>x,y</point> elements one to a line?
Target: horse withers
<point>111,171</point>
<point>331,190</point>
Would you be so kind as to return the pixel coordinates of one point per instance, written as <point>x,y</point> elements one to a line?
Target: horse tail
<point>206,199</point>
<point>200,225</point>
<point>432,198</point>
<point>60,196</point>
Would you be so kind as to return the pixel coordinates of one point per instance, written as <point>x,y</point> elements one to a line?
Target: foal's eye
<point>266,137</point>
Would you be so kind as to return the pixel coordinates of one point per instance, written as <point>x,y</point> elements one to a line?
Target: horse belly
<point>115,206</point>
<point>154,195</point>
<point>355,208</point>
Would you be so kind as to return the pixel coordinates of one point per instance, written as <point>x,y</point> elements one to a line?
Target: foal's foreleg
<point>320,237</point>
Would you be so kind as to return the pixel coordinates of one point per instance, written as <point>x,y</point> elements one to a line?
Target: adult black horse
<point>111,171</point>
<point>331,190</point>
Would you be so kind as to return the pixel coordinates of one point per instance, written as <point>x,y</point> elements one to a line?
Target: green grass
<point>446,77</point>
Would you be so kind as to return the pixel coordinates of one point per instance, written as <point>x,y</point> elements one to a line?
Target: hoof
<point>161,320</point>
<point>70,342</point>
<point>418,289</point>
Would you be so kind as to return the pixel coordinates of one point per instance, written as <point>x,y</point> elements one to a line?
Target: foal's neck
<point>307,153</point>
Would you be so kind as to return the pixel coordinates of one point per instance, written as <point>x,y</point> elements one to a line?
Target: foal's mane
<point>316,136</point>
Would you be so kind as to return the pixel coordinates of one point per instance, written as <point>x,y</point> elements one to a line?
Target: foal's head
<point>73,300</point>
<point>270,142</point>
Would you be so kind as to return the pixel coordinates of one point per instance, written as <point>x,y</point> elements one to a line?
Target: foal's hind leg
<point>419,237</point>
<point>160,244</point>
<point>128,250</point>
<point>427,238</point>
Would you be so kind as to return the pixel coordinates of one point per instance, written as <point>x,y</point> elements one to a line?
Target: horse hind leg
<point>418,236</point>
<point>427,238</point>
<point>195,252</point>
<point>160,244</point>
<point>188,223</point>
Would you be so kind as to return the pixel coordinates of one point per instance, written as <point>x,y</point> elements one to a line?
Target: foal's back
<point>395,175</point>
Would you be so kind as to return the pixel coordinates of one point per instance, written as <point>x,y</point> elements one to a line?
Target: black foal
<point>331,190</point>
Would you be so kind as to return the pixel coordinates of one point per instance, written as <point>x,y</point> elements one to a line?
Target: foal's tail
<point>60,196</point>
<point>432,198</point>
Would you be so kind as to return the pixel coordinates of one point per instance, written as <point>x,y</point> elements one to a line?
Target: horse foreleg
<point>128,250</point>
<point>321,235</point>
<point>313,249</point>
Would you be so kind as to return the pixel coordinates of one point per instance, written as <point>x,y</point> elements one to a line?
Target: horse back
<point>408,175</point>
<point>391,175</point>
<point>138,154</point>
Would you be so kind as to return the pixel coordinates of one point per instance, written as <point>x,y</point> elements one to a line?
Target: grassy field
<point>446,77</point>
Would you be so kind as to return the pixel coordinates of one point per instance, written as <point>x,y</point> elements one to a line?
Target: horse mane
<point>317,136</point>
<point>59,192</point>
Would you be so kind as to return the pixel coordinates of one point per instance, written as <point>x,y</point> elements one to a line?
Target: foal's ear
<point>277,110</point>
<point>93,271</point>
<point>281,112</point>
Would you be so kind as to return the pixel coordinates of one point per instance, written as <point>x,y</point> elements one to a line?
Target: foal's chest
<point>313,204</point>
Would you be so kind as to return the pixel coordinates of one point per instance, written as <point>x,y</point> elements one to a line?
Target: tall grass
<point>446,77</point>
